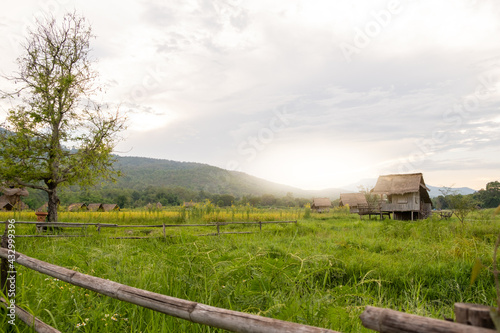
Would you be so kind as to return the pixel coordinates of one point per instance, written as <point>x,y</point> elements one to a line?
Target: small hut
<point>189,204</point>
<point>43,208</point>
<point>95,207</point>
<point>77,207</point>
<point>404,195</point>
<point>12,195</point>
<point>110,207</point>
<point>5,206</point>
<point>354,200</point>
<point>321,205</point>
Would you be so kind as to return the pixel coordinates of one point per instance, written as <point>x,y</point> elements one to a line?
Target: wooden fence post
<point>473,314</point>
<point>98,228</point>
<point>164,232</point>
<point>4,265</point>
<point>390,321</point>
<point>218,231</point>
<point>260,225</point>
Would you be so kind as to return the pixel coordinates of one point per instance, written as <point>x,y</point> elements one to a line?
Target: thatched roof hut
<point>405,195</point>
<point>189,204</point>
<point>95,207</point>
<point>76,207</point>
<point>353,200</point>
<point>321,205</point>
<point>6,206</point>
<point>43,208</point>
<point>110,207</point>
<point>13,195</point>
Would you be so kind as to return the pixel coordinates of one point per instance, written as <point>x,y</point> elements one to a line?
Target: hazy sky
<point>313,94</point>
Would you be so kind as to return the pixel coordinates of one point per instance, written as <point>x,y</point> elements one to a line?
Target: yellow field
<point>201,213</point>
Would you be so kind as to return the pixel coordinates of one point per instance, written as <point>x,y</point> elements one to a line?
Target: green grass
<point>321,272</point>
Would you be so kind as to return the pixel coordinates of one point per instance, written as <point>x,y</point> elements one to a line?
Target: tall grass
<point>321,272</point>
<point>201,213</point>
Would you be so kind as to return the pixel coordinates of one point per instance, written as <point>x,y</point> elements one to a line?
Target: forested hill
<point>140,172</point>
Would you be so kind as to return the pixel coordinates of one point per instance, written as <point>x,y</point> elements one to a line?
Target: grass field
<point>321,272</point>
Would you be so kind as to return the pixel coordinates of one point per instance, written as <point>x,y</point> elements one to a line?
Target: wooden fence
<point>43,225</point>
<point>195,312</point>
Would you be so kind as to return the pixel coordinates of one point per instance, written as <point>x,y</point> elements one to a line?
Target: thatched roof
<point>77,206</point>
<point>95,207</point>
<point>321,202</point>
<point>399,184</point>
<point>402,184</point>
<point>14,191</point>
<point>110,207</point>
<point>352,199</point>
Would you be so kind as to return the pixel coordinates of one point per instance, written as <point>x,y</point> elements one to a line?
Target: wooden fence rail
<point>195,312</point>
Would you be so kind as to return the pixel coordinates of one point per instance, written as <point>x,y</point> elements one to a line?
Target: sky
<point>313,94</point>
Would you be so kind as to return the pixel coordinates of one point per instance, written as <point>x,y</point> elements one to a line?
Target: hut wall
<point>320,209</point>
<point>402,203</point>
<point>353,209</point>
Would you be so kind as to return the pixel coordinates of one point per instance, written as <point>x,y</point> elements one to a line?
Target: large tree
<point>489,198</point>
<point>56,135</point>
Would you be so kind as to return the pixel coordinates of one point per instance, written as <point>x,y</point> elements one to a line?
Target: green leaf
<point>478,265</point>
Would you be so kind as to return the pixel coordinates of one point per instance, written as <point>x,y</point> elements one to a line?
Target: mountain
<point>436,191</point>
<point>141,172</point>
<point>364,183</point>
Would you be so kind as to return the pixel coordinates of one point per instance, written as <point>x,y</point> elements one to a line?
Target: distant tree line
<point>175,196</point>
<point>484,198</point>
<point>489,197</point>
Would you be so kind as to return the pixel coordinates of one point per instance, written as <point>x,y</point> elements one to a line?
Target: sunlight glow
<point>313,167</point>
<point>142,122</point>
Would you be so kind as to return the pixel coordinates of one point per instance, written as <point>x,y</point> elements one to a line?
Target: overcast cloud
<point>313,94</point>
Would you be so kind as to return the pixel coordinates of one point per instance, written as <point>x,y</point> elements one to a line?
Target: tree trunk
<point>52,204</point>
